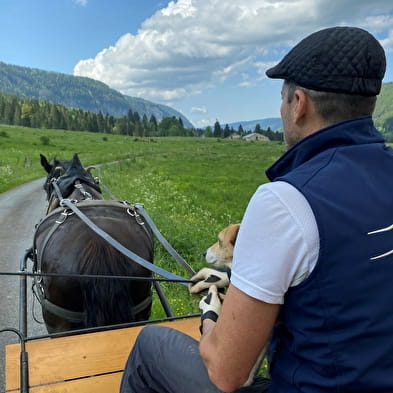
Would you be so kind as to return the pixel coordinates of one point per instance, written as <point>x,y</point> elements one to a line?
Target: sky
<point>205,58</point>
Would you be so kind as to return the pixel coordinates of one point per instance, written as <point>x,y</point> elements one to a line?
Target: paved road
<point>20,209</point>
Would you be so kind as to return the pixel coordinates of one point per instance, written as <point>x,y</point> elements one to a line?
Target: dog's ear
<point>234,231</point>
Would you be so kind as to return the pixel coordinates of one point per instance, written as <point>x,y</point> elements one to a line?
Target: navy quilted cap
<point>338,59</point>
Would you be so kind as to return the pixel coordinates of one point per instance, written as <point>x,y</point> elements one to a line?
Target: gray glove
<point>210,305</point>
<point>207,277</point>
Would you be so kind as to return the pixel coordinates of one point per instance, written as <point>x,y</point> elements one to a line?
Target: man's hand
<point>210,305</point>
<point>207,277</point>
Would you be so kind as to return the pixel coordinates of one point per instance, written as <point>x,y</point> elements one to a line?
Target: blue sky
<point>205,58</point>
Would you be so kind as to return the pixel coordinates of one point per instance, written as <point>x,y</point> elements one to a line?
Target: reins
<point>135,210</point>
<point>125,251</point>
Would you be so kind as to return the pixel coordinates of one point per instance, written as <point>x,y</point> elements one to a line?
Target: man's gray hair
<point>335,107</point>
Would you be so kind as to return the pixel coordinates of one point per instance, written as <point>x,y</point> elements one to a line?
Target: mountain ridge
<point>274,123</point>
<point>78,92</point>
<point>95,96</point>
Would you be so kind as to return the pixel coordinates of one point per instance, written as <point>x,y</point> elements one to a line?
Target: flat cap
<point>338,59</point>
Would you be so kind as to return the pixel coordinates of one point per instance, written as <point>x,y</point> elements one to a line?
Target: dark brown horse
<point>64,244</point>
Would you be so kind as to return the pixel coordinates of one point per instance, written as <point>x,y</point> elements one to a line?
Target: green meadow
<point>190,187</point>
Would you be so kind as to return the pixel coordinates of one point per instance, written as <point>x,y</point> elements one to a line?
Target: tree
<point>100,122</point>
<point>153,126</point>
<point>26,115</point>
<point>17,115</point>
<point>110,123</point>
<point>54,117</point>
<point>130,116</point>
<point>208,132</point>
<point>227,131</point>
<point>170,126</point>
<point>138,129</point>
<point>9,110</point>
<point>137,118</point>
<point>92,124</point>
<point>217,133</point>
<point>122,126</point>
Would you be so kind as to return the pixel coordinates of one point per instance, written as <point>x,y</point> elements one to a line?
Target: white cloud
<point>198,109</point>
<point>192,45</point>
<point>387,43</point>
<point>381,23</point>
<point>202,123</point>
<point>81,2</point>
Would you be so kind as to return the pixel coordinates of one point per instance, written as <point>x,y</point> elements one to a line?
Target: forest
<point>28,112</point>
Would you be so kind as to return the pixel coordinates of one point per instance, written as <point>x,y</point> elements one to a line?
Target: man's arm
<point>231,346</point>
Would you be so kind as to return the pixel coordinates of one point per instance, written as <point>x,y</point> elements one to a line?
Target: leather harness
<point>69,207</point>
<point>38,289</point>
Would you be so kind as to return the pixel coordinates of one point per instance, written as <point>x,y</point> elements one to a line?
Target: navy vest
<point>336,328</point>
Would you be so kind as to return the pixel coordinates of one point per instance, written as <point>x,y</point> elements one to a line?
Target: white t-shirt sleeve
<point>278,243</point>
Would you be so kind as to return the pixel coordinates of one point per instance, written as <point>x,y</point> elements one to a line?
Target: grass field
<point>191,187</point>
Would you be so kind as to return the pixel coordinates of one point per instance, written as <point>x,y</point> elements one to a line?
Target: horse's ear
<point>76,161</point>
<point>45,164</point>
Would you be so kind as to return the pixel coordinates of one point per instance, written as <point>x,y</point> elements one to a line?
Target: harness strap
<point>162,239</point>
<point>72,316</point>
<point>78,316</point>
<point>119,247</point>
<point>38,259</point>
<point>155,230</point>
<point>75,316</point>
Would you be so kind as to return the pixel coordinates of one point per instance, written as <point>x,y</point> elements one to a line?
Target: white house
<point>255,137</point>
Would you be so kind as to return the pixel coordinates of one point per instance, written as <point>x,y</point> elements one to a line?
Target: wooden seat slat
<point>52,361</point>
<point>99,384</point>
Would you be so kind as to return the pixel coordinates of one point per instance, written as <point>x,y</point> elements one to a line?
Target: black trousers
<point>165,360</point>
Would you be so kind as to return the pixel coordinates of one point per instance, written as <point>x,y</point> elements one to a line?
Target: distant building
<point>255,137</point>
<point>234,135</point>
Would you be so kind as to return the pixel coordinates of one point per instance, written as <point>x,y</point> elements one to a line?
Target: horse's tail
<point>110,301</point>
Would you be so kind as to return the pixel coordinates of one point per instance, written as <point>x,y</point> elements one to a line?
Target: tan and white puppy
<point>221,252</point>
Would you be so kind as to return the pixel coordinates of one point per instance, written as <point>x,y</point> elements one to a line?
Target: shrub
<point>45,140</point>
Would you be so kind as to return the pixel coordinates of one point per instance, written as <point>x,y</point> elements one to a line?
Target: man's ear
<point>301,102</point>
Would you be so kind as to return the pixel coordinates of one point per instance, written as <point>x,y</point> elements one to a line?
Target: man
<point>313,258</point>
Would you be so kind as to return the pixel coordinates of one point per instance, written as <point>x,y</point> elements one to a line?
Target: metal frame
<point>22,331</point>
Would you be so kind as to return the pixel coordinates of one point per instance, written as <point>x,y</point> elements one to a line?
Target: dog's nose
<point>204,254</point>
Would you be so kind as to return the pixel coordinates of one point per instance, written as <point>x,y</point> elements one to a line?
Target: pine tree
<point>227,131</point>
<point>217,133</point>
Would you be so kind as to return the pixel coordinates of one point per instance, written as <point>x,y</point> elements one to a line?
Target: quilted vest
<point>336,328</point>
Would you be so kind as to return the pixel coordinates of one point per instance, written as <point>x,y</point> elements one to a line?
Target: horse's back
<point>65,244</point>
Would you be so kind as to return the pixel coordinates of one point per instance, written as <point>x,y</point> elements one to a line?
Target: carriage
<point>84,351</point>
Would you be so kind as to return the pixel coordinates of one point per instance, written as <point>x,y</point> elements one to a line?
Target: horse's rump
<point>71,247</point>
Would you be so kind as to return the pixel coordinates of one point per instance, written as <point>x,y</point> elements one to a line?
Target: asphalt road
<point>20,210</point>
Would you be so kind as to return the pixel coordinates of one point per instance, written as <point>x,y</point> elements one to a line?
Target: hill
<point>274,123</point>
<point>78,92</point>
<point>384,107</point>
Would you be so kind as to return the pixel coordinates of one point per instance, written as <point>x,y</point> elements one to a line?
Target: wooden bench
<point>84,363</point>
